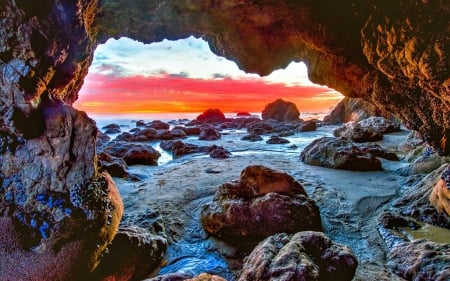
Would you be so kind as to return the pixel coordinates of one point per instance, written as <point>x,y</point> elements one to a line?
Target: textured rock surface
<point>358,133</point>
<point>303,256</point>
<point>263,202</point>
<point>440,196</point>
<point>353,109</point>
<point>420,260</point>
<point>280,110</point>
<point>339,154</point>
<point>133,153</point>
<point>211,115</point>
<point>414,258</point>
<point>133,254</point>
<point>393,54</point>
<point>415,200</point>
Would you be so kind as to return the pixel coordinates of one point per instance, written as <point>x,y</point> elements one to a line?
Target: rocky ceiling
<point>394,54</point>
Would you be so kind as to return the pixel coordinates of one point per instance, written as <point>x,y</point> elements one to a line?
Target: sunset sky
<point>127,76</point>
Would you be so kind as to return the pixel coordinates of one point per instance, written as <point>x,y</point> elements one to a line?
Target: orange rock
<point>440,197</point>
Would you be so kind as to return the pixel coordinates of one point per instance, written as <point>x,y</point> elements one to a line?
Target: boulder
<point>277,140</point>
<point>179,148</point>
<point>422,160</point>
<point>305,256</point>
<point>358,133</point>
<point>193,131</point>
<point>209,134</point>
<point>263,202</point>
<point>243,113</point>
<point>381,125</point>
<point>115,166</point>
<point>354,110</point>
<point>158,125</point>
<point>140,135</point>
<point>211,115</point>
<point>112,129</point>
<point>259,128</point>
<point>417,201</point>
<point>219,153</point>
<point>133,153</point>
<point>133,254</point>
<point>178,132</point>
<point>252,137</point>
<point>307,126</point>
<point>420,260</point>
<point>339,153</point>
<point>440,196</point>
<point>66,240</point>
<point>282,111</point>
<point>140,123</point>
<point>101,139</point>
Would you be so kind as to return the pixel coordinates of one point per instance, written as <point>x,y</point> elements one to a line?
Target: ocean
<point>230,138</point>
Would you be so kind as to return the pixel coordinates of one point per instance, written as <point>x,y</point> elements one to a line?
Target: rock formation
<point>353,109</point>
<point>339,153</point>
<point>211,115</point>
<point>282,111</point>
<point>263,202</point>
<point>393,54</point>
<point>305,255</point>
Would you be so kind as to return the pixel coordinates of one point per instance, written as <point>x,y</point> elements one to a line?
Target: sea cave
<point>291,213</point>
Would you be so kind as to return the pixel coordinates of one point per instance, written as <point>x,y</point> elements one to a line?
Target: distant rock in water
<point>219,153</point>
<point>307,255</point>
<point>111,129</point>
<point>243,114</point>
<point>353,109</point>
<point>282,111</point>
<point>263,202</point>
<point>209,134</point>
<point>277,140</point>
<point>252,137</point>
<point>307,126</point>
<point>211,115</point>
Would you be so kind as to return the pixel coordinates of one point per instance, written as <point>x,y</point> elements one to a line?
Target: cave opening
<point>185,76</point>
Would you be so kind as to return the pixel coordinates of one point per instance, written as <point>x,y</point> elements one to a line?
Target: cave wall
<point>394,54</point>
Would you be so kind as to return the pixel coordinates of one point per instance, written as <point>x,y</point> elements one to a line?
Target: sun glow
<point>185,76</point>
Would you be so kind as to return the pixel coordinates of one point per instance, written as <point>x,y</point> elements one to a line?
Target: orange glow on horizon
<point>157,94</point>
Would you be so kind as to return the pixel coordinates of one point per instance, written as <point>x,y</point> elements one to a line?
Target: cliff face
<point>395,55</point>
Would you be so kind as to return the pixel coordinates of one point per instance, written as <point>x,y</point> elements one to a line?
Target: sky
<point>127,76</point>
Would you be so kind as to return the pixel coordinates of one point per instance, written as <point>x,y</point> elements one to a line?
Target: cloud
<point>190,56</point>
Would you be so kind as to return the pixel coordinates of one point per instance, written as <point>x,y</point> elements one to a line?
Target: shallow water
<point>348,213</point>
<point>429,232</point>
